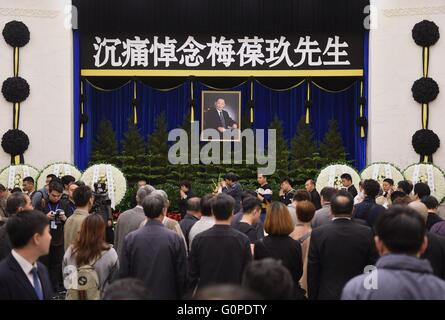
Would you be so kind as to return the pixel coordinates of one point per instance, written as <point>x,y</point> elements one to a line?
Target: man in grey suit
<point>155,254</point>
<point>131,219</point>
<point>323,216</point>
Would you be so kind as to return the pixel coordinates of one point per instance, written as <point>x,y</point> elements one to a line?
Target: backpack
<point>86,285</point>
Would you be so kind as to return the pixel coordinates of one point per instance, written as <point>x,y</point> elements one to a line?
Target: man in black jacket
<point>55,209</point>
<point>233,188</point>
<point>338,251</point>
<point>220,254</point>
<point>346,180</point>
<point>315,196</point>
<point>435,251</point>
<point>21,276</point>
<point>368,210</point>
<point>219,119</point>
<point>185,193</point>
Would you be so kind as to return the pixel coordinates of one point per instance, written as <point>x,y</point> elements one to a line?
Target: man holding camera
<point>55,210</point>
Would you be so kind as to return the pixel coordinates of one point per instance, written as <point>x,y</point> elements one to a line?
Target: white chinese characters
<point>245,52</point>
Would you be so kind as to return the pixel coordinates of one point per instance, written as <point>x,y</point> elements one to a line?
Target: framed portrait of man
<point>221,111</point>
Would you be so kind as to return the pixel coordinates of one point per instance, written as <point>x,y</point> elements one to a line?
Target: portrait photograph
<point>221,110</point>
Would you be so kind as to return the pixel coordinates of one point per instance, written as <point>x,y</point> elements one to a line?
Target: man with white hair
<point>168,222</point>
<point>131,219</point>
<point>435,252</point>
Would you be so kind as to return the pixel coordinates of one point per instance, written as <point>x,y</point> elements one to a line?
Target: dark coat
<point>14,284</point>
<point>213,121</point>
<point>435,253</point>
<point>338,252</point>
<point>368,210</point>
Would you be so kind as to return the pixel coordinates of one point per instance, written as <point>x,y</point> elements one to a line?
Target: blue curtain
<point>288,105</point>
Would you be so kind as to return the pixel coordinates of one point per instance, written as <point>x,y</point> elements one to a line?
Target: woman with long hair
<point>90,253</point>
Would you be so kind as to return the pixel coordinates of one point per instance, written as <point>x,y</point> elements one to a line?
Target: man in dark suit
<point>22,277</point>
<point>155,254</point>
<point>185,193</point>
<point>220,254</point>
<point>346,180</point>
<point>435,251</point>
<point>315,196</point>
<point>338,251</point>
<point>219,119</point>
<point>233,188</point>
<point>368,210</point>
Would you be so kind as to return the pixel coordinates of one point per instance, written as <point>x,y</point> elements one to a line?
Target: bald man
<point>338,251</point>
<point>193,215</point>
<point>435,252</point>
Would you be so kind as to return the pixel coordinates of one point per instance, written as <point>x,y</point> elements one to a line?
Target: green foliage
<point>105,145</point>
<point>282,151</point>
<point>158,152</point>
<point>133,143</point>
<point>150,161</point>
<point>304,157</point>
<point>332,148</point>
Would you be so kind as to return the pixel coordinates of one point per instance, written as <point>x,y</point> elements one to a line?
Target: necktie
<point>37,284</point>
<point>221,117</point>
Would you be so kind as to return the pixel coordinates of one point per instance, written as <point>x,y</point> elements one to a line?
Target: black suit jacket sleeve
<point>229,121</point>
<point>124,261</point>
<point>313,269</point>
<point>212,120</point>
<point>353,191</point>
<point>373,254</point>
<point>194,272</point>
<point>181,267</point>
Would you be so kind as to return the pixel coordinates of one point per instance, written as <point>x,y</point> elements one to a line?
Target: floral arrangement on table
<point>330,176</point>
<point>12,177</point>
<point>59,169</point>
<point>429,174</point>
<point>111,178</point>
<point>382,170</point>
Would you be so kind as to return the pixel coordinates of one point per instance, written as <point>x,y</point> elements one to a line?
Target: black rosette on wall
<point>15,142</point>
<point>15,89</point>
<point>426,33</point>
<point>16,34</point>
<point>425,90</point>
<point>425,143</point>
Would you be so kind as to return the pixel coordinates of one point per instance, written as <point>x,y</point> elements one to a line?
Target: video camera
<point>102,203</point>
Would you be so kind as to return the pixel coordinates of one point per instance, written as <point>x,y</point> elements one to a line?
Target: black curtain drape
<point>221,16</point>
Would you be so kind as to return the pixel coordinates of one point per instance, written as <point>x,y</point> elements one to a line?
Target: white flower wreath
<point>380,171</point>
<point>12,176</point>
<point>111,177</point>
<point>429,174</point>
<point>330,176</point>
<point>60,169</point>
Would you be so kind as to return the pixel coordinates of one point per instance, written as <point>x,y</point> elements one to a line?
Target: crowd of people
<point>378,242</point>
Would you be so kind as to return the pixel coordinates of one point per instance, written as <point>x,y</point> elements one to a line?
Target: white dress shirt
<point>25,265</point>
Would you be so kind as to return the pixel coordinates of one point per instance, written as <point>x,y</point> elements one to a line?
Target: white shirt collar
<point>336,218</point>
<point>23,263</point>
<point>140,207</point>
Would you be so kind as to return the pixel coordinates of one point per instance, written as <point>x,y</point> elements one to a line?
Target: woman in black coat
<point>279,245</point>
